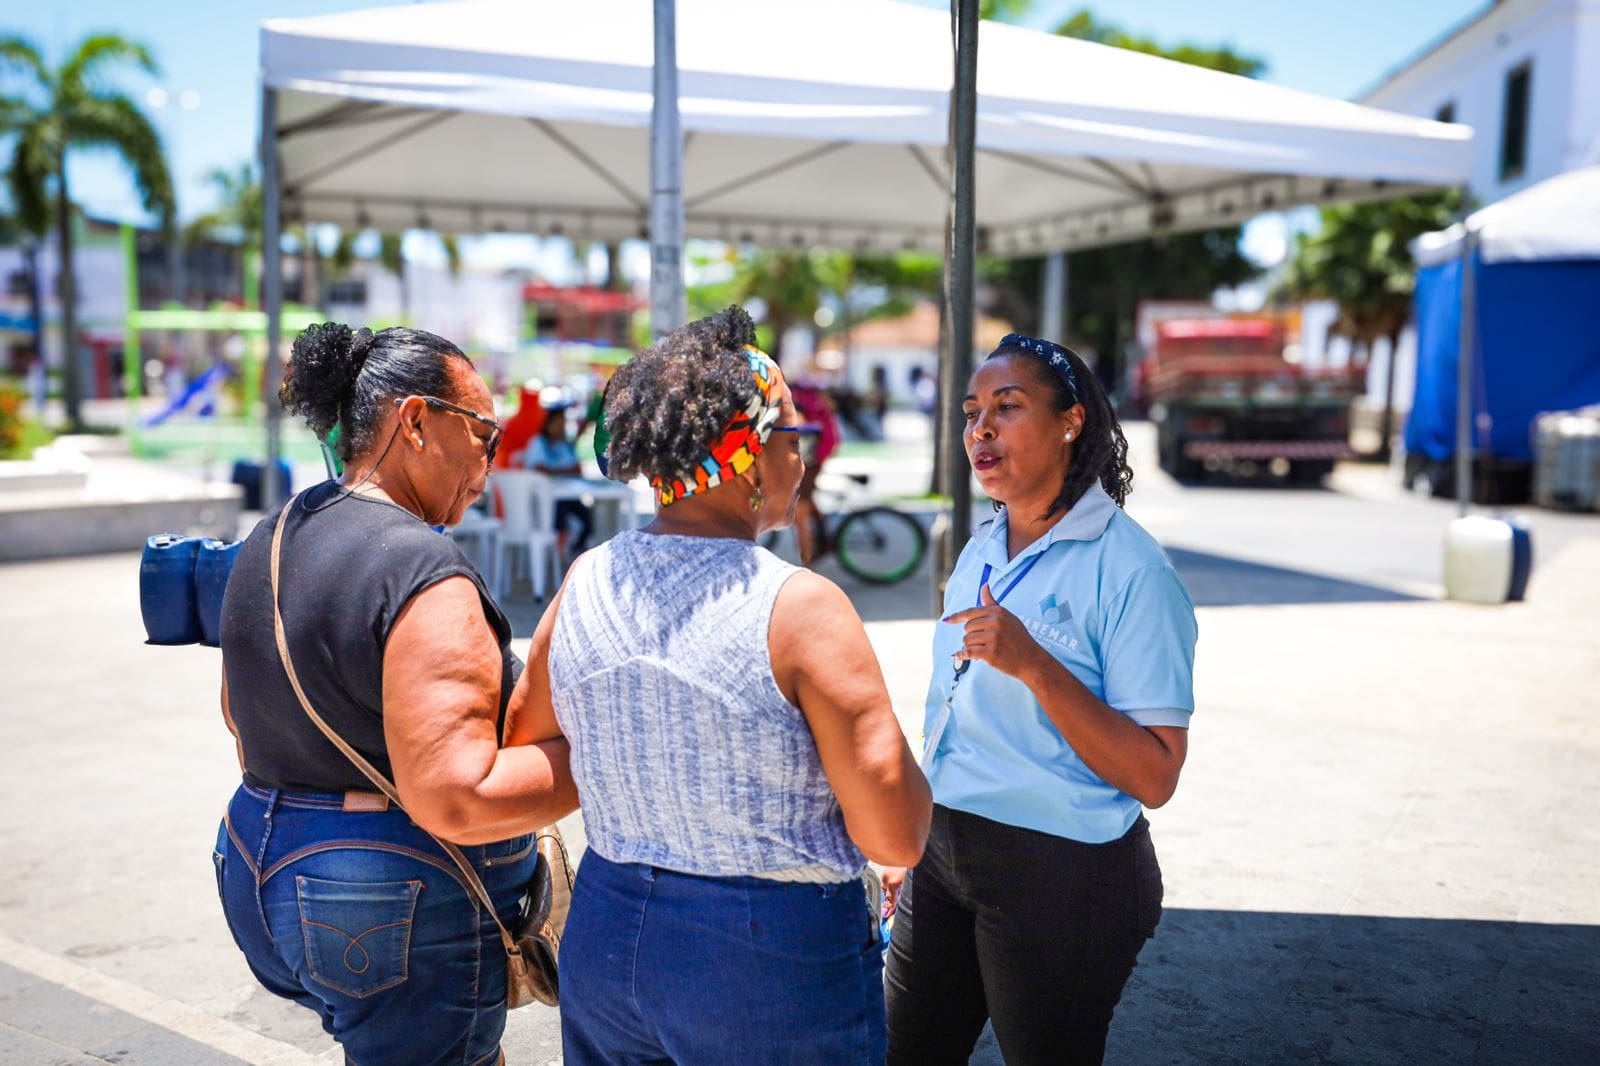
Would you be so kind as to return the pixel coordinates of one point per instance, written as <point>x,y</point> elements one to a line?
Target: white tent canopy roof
<point>816,122</point>
<point>1559,218</point>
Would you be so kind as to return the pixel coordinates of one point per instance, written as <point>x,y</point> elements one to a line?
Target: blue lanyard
<point>999,598</point>
<point>942,720</point>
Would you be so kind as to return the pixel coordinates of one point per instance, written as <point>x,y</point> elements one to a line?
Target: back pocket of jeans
<point>357,935</point>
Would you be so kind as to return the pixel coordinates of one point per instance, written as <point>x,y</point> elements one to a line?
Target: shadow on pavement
<point>1266,987</point>
<point>1218,581</point>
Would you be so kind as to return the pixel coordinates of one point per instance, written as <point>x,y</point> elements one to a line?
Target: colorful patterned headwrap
<point>741,441</point>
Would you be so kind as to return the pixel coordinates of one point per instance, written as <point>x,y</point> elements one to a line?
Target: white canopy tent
<point>823,122</point>
<point>817,122</point>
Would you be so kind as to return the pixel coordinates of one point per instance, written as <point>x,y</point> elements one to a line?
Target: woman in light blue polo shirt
<point>1058,709</point>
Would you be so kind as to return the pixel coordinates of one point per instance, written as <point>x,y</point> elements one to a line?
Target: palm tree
<point>1361,260</point>
<point>238,215</point>
<point>57,112</point>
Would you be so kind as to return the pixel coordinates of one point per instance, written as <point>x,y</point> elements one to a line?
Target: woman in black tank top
<point>337,900</point>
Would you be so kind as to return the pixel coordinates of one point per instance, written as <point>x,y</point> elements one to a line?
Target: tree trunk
<point>65,291</point>
<point>614,279</point>
<point>1386,423</point>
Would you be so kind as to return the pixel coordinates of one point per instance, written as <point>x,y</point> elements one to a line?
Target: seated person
<point>552,453</point>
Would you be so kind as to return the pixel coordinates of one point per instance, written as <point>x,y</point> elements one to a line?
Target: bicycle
<point>875,542</point>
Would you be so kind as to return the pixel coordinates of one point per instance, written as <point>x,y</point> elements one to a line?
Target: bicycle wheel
<point>880,545</point>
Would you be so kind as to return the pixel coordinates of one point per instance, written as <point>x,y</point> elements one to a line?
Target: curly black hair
<point>667,405</point>
<point>1101,452</point>
<point>343,377</point>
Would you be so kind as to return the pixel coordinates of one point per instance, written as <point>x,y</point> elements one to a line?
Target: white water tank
<point>1478,560</point>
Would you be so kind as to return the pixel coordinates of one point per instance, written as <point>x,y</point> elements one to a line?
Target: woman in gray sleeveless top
<point>732,741</point>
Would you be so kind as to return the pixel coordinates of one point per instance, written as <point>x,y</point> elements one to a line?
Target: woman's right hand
<point>893,879</point>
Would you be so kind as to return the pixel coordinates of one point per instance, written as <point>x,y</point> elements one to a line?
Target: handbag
<point>532,949</point>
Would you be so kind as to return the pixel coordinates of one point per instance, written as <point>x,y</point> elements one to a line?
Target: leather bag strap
<point>381,783</point>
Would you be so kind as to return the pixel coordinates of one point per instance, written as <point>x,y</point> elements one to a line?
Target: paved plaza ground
<point>1385,846</point>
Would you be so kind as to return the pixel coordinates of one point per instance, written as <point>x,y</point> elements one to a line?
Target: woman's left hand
<point>996,636</point>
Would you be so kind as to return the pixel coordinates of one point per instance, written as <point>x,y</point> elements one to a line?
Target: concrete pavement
<point>1384,847</point>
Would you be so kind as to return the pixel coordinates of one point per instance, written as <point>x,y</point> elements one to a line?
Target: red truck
<point>1224,398</point>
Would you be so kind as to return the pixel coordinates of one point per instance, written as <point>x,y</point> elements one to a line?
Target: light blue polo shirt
<point>1105,601</point>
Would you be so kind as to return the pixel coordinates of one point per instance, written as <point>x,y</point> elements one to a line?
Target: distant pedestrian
<point>732,740</point>
<point>340,901</point>
<point>1058,709</point>
<point>552,452</point>
<point>822,440</point>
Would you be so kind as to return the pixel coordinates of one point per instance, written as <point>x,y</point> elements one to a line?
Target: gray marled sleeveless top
<point>685,753</point>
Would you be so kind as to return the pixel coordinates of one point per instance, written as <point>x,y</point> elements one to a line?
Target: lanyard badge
<point>942,721</point>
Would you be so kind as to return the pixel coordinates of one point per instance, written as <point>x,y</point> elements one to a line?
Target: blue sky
<point>1336,49</point>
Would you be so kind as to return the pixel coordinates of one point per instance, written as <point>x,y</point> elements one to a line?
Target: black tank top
<point>350,564</point>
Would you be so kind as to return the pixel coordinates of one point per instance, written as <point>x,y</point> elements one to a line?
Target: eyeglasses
<point>809,434</point>
<point>496,429</point>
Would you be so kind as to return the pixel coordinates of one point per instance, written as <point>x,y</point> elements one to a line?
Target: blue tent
<point>1536,320</point>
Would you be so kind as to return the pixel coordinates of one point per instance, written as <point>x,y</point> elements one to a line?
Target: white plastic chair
<point>528,527</point>
<point>481,533</point>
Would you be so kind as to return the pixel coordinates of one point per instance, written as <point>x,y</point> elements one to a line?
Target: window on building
<point>1446,112</point>
<point>348,291</point>
<point>1514,123</point>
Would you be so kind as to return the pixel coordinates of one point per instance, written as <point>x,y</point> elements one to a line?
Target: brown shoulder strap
<point>381,783</point>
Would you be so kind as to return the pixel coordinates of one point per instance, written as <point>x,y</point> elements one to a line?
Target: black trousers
<point>579,512</point>
<point>1033,932</point>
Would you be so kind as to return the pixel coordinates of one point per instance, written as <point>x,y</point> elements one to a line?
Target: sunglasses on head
<point>808,435</point>
<point>496,430</point>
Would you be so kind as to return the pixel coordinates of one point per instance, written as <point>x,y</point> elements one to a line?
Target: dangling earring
<point>756,498</point>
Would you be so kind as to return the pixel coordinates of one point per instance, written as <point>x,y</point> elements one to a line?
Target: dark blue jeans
<point>363,918</point>
<point>664,967</point>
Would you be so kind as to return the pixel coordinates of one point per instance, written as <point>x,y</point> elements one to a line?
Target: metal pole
<point>132,364</point>
<point>271,296</point>
<point>1464,363</point>
<point>956,364</point>
<point>1052,305</point>
<point>667,311</point>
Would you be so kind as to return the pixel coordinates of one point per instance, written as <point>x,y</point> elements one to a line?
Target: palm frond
<point>113,121</point>
<point>97,50</point>
<point>19,53</point>
<point>15,112</point>
<point>28,178</point>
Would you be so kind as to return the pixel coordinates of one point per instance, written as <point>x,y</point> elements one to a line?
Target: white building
<point>1525,75</point>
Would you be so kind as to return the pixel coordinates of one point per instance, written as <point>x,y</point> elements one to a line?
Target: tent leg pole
<point>1464,363</point>
<point>271,298</point>
<point>1052,303</point>
<point>667,311</point>
<point>956,364</point>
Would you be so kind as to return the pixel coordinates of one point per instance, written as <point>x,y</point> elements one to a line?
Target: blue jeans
<point>665,967</point>
<point>363,918</point>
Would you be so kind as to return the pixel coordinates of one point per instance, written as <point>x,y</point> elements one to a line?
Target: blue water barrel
<point>211,569</point>
<point>247,475</point>
<point>1521,561</point>
<point>166,589</point>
